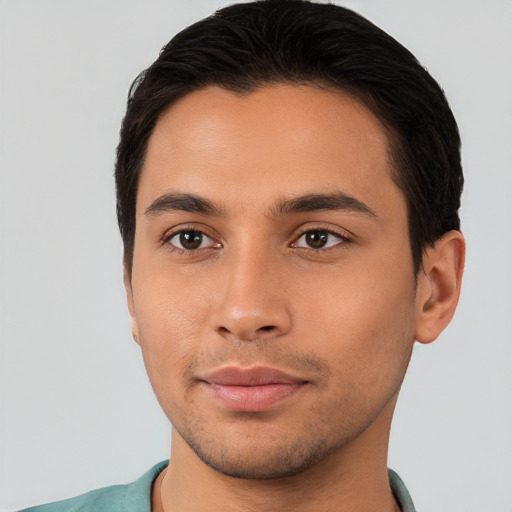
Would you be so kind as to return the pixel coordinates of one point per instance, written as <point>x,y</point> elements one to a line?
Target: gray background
<point>76,409</point>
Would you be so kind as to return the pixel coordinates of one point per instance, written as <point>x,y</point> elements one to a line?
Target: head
<point>288,183</point>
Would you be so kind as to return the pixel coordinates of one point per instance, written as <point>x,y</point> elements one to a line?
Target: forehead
<point>277,140</point>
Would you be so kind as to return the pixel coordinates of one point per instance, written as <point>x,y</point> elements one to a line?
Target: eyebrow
<point>178,201</point>
<point>322,202</point>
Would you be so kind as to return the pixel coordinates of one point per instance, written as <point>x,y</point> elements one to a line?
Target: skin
<point>341,317</point>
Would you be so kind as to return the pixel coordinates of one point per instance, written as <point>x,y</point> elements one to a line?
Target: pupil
<point>316,239</point>
<point>191,239</point>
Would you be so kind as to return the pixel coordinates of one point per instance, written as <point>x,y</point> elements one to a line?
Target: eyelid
<point>205,239</point>
<point>345,236</point>
<point>176,230</point>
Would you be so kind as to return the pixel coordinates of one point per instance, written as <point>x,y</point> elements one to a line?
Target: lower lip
<point>253,398</point>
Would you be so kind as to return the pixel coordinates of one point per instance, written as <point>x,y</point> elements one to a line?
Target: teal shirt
<point>136,497</point>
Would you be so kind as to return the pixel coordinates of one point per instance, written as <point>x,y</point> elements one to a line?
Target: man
<point>288,181</point>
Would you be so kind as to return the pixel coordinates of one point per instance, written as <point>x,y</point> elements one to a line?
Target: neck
<point>353,479</point>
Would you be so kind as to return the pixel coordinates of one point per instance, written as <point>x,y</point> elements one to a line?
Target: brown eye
<point>316,239</point>
<point>319,239</point>
<point>191,240</point>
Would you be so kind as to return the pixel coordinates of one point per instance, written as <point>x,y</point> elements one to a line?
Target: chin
<point>257,457</point>
<point>265,464</point>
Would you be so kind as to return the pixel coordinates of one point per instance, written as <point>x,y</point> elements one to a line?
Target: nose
<point>253,304</point>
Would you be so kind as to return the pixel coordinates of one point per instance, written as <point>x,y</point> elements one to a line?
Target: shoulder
<point>133,497</point>
<point>108,499</point>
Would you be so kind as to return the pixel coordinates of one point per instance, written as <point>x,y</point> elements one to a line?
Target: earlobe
<point>129,299</point>
<point>439,284</point>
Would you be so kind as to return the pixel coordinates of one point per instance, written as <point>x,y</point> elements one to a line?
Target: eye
<point>190,240</point>
<point>319,239</point>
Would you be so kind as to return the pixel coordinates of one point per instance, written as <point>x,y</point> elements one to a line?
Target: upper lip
<point>255,376</point>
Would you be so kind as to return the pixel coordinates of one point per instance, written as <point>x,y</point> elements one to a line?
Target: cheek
<point>170,318</point>
<point>365,325</point>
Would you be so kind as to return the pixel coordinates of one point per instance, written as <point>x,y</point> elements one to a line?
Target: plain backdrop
<point>77,411</point>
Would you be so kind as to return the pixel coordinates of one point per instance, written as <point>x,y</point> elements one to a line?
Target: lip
<point>251,389</point>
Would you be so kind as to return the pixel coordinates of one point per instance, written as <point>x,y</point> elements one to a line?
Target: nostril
<point>266,328</point>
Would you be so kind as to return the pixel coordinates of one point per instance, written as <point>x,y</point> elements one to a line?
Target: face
<point>272,289</point>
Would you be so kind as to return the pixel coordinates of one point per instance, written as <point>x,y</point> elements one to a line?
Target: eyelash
<point>343,237</point>
<point>166,240</point>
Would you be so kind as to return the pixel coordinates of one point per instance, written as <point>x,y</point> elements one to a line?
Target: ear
<point>439,284</point>
<point>127,280</point>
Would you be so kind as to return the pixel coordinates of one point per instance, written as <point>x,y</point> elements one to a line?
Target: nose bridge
<point>253,304</point>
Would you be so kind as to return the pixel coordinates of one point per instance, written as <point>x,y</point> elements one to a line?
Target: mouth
<point>251,389</point>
